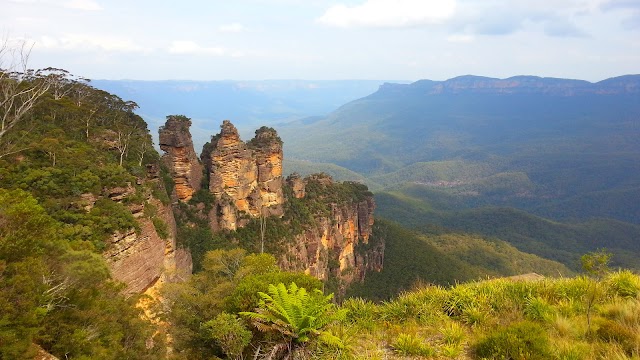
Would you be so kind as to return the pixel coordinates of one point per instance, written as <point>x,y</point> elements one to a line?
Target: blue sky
<point>321,40</point>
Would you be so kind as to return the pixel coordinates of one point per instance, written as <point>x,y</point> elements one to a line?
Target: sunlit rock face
<point>180,157</point>
<point>245,181</point>
<point>141,258</point>
<point>337,244</point>
<point>244,178</point>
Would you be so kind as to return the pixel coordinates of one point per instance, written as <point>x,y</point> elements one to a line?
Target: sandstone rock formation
<point>141,258</point>
<point>297,185</point>
<point>244,178</point>
<point>337,244</point>
<point>332,242</point>
<point>180,157</point>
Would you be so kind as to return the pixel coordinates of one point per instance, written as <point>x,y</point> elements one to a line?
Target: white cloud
<point>88,5</point>
<point>389,13</point>
<point>232,28</point>
<point>90,42</point>
<point>191,47</point>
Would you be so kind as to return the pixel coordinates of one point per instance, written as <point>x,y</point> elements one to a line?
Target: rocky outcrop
<point>140,258</point>
<point>180,157</point>
<point>336,245</point>
<point>268,150</point>
<point>329,239</point>
<point>137,259</point>
<point>295,182</point>
<point>244,178</point>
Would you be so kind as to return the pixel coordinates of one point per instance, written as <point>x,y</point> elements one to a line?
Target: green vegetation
<point>431,212</point>
<point>338,173</point>
<point>228,283</point>
<point>296,317</point>
<point>72,166</point>
<point>443,258</point>
<point>562,157</point>
<point>76,152</point>
<point>78,166</point>
<point>543,319</point>
<point>57,294</point>
<point>520,341</point>
<point>490,319</point>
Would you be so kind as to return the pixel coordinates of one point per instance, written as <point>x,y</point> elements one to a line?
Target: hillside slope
<point>555,147</point>
<point>430,211</point>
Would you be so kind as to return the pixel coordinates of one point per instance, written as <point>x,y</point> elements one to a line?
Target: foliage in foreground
<point>504,319</point>
<point>218,313</point>
<point>228,283</point>
<point>59,295</point>
<point>295,317</point>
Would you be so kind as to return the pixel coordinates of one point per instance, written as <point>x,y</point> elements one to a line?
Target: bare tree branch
<point>20,87</point>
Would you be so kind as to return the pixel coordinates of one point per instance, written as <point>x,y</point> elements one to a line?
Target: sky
<point>327,40</point>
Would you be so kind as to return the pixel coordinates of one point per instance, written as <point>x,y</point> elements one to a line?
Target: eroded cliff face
<point>335,245</point>
<point>324,227</point>
<point>244,178</point>
<point>180,157</point>
<point>142,258</point>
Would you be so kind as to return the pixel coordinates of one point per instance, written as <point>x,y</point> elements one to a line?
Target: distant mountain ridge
<point>568,149</point>
<point>249,104</point>
<point>521,84</point>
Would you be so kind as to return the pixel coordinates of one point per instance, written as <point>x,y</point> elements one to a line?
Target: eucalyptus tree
<point>21,89</point>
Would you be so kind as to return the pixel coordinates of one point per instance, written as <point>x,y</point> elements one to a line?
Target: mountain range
<point>249,104</point>
<point>567,149</point>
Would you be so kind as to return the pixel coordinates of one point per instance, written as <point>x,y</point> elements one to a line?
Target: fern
<point>297,315</point>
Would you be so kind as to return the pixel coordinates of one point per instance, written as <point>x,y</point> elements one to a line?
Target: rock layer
<point>245,181</point>
<point>337,244</point>
<point>244,178</point>
<point>142,258</point>
<point>180,157</point>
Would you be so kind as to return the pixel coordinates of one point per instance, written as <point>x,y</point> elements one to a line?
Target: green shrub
<point>474,315</point>
<point>161,227</point>
<point>521,341</point>
<point>396,310</point>
<point>538,309</point>
<point>562,325</point>
<point>626,336</point>
<point>451,351</point>
<point>460,298</point>
<point>452,333</point>
<point>158,191</point>
<point>362,313</point>
<point>572,351</point>
<point>410,345</point>
<point>229,333</point>
<point>624,283</point>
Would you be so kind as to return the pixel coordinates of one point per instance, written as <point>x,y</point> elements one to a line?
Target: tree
<point>59,297</point>
<point>144,145</point>
<point>20,89</point>
<point>263,228</point>
<point>596,265</point>
<point>230,334</point>
<point>126,124</point>
<point>60,80</point>
<point>296,317</point>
